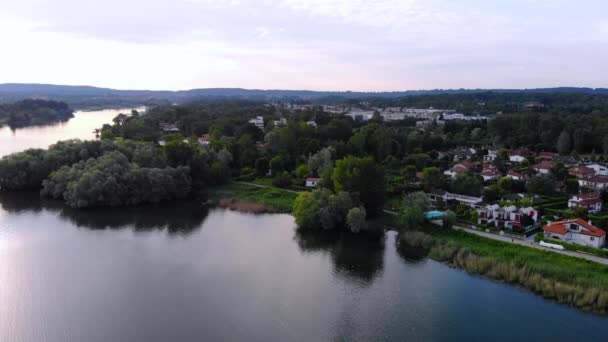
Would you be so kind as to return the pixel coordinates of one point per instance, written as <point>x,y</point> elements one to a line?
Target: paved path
<point>267,186</point>
<point>533,244</point>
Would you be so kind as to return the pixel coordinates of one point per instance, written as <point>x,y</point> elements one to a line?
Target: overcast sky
<point>305,44</point>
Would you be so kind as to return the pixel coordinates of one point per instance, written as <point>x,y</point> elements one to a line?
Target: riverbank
<point>575,282</point>
<point>250,198</point>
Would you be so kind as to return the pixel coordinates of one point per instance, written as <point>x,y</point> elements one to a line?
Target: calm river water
<point>177,272</point>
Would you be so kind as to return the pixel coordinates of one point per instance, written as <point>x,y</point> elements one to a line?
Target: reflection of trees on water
<point>359,256</point>
<point>178,217</point>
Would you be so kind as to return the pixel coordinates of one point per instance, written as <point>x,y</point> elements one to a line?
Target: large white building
<point>258,122</point>
<point>576,231</point>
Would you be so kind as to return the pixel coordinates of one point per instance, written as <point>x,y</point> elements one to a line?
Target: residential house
<point>519,155</point>
<point>591,201</point>
<point>581,171</point>
<point>544,167</point>
<point>518,176</point>
<point>258,122</point>
<point>489,172</point>
<point>576,231</point>
<point>508,217</point>
<point>594,182</point>
<point>464,153</point>
<point>491,156</point>
<point>312,182</point>
<point>599,169</point>
<point>459,168</point>
<point>204,139</point>
<point>550,156</point>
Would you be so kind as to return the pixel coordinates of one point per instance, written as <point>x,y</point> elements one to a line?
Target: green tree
<point>302,171</point>
<point>276,164</point>
<point>541,185</point>
<point>449,219</point>
<point>432,178</point>
<point>306,210</point>
<point>363,177</point>
<point>356,219</point>
<point>564,144</point>
<point>178,153</point>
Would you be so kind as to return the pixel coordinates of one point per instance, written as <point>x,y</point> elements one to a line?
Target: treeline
<point>113,173</point>
<point>491,102</point>
<point>34,112</point>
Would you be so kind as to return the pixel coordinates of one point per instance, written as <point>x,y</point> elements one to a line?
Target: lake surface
<point>178,272</point>
<point>81,126</point>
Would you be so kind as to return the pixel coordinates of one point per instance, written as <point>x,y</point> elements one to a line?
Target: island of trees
<point>33,112</point>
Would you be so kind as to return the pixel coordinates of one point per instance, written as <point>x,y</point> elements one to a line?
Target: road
<point>533,244</point>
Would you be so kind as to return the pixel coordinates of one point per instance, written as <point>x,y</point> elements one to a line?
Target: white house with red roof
<point>489,172</point>
<point>518,176</point>
<point>544,167</point>
<point>459,168</point>
<point>581,171</point>
<point>591,201</point>
<point>594,182</point>
<point>576,231</point>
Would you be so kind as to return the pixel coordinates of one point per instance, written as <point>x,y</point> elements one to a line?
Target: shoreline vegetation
<point>252,199</point>
<point>578,283</point>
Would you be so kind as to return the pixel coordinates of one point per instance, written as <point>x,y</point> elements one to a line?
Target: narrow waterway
<point>81,126</point>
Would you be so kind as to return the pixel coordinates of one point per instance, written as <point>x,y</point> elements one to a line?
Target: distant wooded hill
<point>88,97</point>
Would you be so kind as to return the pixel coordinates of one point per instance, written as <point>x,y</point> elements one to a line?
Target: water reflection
<point>354,256</point>
<point>178,217</point>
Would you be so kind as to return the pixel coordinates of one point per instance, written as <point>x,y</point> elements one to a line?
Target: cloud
<point>315,44</point>
<point>603,26</point>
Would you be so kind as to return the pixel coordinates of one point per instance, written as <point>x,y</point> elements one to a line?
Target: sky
<point>362,45</point>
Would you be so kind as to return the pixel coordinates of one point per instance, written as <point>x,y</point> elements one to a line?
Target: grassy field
<point>280,200</point>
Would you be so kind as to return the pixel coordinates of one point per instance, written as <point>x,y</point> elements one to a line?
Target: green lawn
<point>279,199</point>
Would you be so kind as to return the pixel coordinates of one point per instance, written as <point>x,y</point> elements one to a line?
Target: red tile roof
<point>597,179</point>
<point>581,170</point>
<point>548,155</point>
<point>589,195</point>
<point>544,165</point>
<point>556,228</point>
<point>560,227</point>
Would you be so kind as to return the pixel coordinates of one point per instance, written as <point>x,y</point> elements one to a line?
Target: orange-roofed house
<point>576,231</point>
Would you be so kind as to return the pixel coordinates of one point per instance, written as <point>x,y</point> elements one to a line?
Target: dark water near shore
<point>177,272</point>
